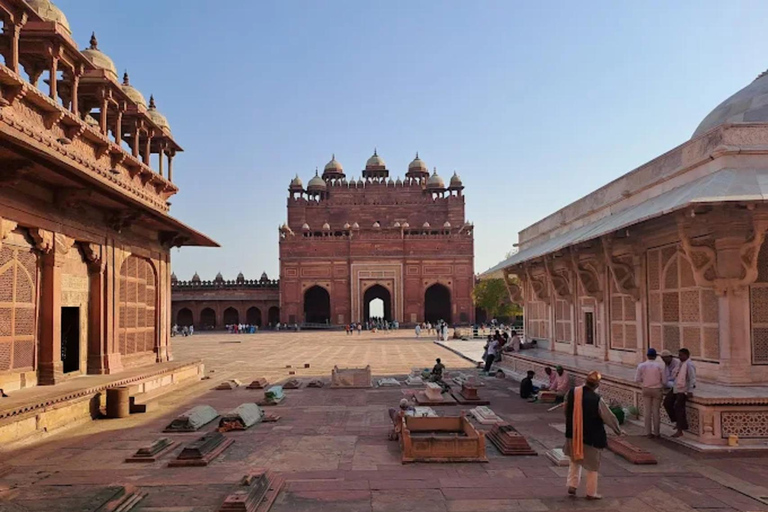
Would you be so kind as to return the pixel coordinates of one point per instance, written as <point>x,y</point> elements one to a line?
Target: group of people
<point>439,329</point>
<point>185,330</point>
<point>242,328</point>
<point>498,343</point>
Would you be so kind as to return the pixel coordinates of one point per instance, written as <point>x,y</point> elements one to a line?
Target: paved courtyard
<point>331,446</point>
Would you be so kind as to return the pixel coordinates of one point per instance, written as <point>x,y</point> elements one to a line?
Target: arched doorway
<point>231,316</point>
<point>273,315</point>
<point>253,316</point>
<point>317,305</point>
<point>208,319</point>
<point>437,304</point>
<point>377,292</point>
<point>184,317</point>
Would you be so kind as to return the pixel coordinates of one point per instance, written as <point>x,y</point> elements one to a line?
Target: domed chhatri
<point>296,184</point>
<point>219,278</point>
<point>196,278</point>
<point>316,184</point>
<point>417,169</point>
<point>156,117</point>
<point>435,182</point>
<point>49,12</point>
<point>333,169</point>
<point>375,163</point>
<point>240,278</point>
<point>456,181</point>
<point>749,105</point>
<point>99,59</point>
<point>132,92</point>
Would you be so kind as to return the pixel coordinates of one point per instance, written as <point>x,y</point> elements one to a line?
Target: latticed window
<point>137,307</point>
<point>623,315</point>
<point>758,302</point>
<point>536,316</point>
<point>563,322</point>
<point>589,327</point>
<point>680,314</point>
<point>18,298</point>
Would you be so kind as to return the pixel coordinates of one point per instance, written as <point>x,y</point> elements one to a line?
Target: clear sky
<point>535,104</point>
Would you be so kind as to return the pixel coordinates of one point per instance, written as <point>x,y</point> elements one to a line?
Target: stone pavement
<point>332,447</point>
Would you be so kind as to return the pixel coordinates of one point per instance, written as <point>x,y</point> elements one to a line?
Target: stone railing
<point>229,284</point>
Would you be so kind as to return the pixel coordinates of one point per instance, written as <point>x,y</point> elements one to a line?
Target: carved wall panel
<point>744,424</point>
<point>18,302</point>
<point>758,301</point>
<point>138,299</point>
<point>536,315</point>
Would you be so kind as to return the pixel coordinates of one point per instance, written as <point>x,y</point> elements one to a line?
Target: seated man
<point>394,414</point>
<point>562,384</point>
<point>552,376</point>
<point>527,389</point>
<point>436,375</point>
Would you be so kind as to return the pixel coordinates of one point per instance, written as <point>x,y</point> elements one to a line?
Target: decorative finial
<point>152,102</point>
<point>374,152</point>
<point>434,171</point>
<point>333,156</point>
<point>315,171</point>
<point>126,80</point>
<point>94,42</point>
<point>417,155</point>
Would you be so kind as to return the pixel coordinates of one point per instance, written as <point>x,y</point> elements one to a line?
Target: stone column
<point>53,82</point>
<point>113,362</point>
<point>54,248</point>
<point>97,346</point>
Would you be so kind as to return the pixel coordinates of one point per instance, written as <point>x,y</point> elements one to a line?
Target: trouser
<point>489,362</point>
<point>652,407</point>
<point>674,403</point>
<point>574,478</point>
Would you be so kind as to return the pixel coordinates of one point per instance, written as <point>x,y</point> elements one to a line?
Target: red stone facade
<point>406,242</point>
<point>214,304</point>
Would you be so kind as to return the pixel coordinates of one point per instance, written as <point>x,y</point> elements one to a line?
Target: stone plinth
<point>434,439</point>
<point>193,419</point>
<point>433,391</point>
<point>259,383</point>
<point>351,377</point>
<point>509,441</point>
<point>292,384</point>
<point>242,418</point>
<point>630,452</point>
<point>202,451</point>
<point>152,452</point>
<point>559,458</point>
<point>388,382</point>
<point>422,412</point>
<point>433,395</point>
<point>273,396</point>
<point>414,381</point>
<point>469,392</point>
<point>485,416</point>
<point>248,494</point>
<point>228,385</point>
<point>315,383</point>
<point>547,397</point>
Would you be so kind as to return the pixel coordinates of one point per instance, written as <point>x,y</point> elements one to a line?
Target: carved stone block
<point>202,451</point>
<point>559,458</point>
<point>153,451</point>
<point>351,377</point>
<point>509,441</point>
<point>242,418</point>
<point>485,416</point>
<point>255,492</point>
<point>630,452</point>
<point>193,419</point>
<point>433,391</point>
<point>229,385</point>
<point>292,384</point>
<point>259,383</point>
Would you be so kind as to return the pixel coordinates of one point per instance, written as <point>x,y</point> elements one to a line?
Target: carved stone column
<point>54,248</point>
<point>97,346</point>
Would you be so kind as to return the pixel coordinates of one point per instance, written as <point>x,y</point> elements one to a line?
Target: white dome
<point>375,161</point>
<point>749,105</point>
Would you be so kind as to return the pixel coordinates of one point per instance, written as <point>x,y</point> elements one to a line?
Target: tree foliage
<point>492,296</point>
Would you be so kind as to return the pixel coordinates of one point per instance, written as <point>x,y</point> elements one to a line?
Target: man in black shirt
<point>527,389</point>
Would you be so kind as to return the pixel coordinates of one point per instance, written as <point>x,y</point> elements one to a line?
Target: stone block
<point>433,391</point>
<point>202,451</point>
<point>139,408</point>
<point>315,383</point>
<point>414,381</point>
<point>422,412</point>
<point>469,392</point>
<point>547,397</point>
<point>388,382</point>
<point>255,492</point>
<point>509,441</point>
<point>292,384</point>
<point>273,396</point>
<point>351,377</point>
<point>559,458</point>
<point>242,418</point>
<point>306,365</point>
<point>193,419</point>
<point>229,384</point>
<point>153,451</point>
<point>630,452</point>
<point>485,416</point>
<point>422,399</point>
<point>259,383</point>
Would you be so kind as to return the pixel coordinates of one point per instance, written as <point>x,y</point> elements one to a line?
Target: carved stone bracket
<point>43,239</point>
<point>514,290</point>
<point>171,239</point>
<point>93,256</point>
<point>560,280</point>
<point>731,265</point>
<point>6,226</point>
<point>539,285</point>
<point>14,171</point>
<point>588,273</point>
<point>623,274</point>
<point>122,219</point>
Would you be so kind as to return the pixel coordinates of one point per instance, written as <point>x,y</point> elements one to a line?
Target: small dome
<point>359,182</point>
<point>417,164</point>
<point>305,227</point>
<point>390,183</point>
<point>399,182</point>
<point>749,105</point>
<point>196,278</point>
<point>447,224</point>
<point>219,278</point>
<point>296,184</point>
<point>346,225</point>
<point>456,181</point>
<point>173,277</point>
<point>49,12</point>
<point>240,278</point>
<point>425,225</point>
<point>156,117</point>
<point>132,92</point>
<point>264,277</point>
<point>355,226</point>
<point>406,225</point>
<point>376,225</point>
<point>326,227</point>
<point>316,184</point>
<point>435,181</point>
<point>333,166</point>
<point>375,162</point>
<point>284,227</point>
<point>397,224</point>
<point>99,59</point>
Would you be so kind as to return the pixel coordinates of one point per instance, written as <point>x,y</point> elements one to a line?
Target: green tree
<point>492,296</point>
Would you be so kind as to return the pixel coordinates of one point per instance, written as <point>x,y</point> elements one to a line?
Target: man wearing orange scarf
<point>586,415</point>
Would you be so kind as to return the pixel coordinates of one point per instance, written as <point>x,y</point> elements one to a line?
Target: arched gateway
<point>377,292</point>
<point>317,305</point>
<point>437,303</point>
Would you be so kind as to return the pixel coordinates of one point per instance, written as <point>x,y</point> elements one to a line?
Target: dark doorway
<point>273,316</point>
<point>184,317</point>
<point>208,319</point>
<point>70,339</point>
<point>231,316</point>
<point>317,306</point>
<point>437,304</point>
<point>253,316</point>
<point>377,292</point>
<point>589,328</point>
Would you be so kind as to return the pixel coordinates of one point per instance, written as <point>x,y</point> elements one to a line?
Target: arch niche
<point>184,317</point>
<point>253,316</point>
<point>377,291</point>
<point>317,305</point>
<point>273,315</point>
<point>437,303</point>
<point>230,316</point>
<point>208,318</point>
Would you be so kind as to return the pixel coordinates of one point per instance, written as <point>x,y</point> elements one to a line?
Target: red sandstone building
<point>348,242</point>
<point>85,234</point>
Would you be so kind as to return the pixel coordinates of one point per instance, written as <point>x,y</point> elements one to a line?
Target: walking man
<point>682,390</point>
<point>650,375</point>
<point>586,415</point>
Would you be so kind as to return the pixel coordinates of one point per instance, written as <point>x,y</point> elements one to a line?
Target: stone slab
<point>423,399</point>
<point>414,381</point>
<point>351,377</point>
<point>244,417</point>
<point>124,501</point>
<point>630,452</point>
<point>465,401</point>
<point>259,383</point>
<point>228,385</point>
<point>248,494</point>
<point>509,441</point>
<point>388,382</point>
<point>292,384</point>
<point>422,412</point>
<point>559,458</point>
<point>192,420</point>
<point>433,391</point>
<point>485,416</point>
<point>316,383</point>
<point>202,451</point>
<point>154,451</point>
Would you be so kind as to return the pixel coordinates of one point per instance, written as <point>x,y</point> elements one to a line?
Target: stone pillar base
<point>113,363</point>
<point>50,373</point>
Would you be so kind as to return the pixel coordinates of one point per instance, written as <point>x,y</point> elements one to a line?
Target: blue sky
<point>535,104</point>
